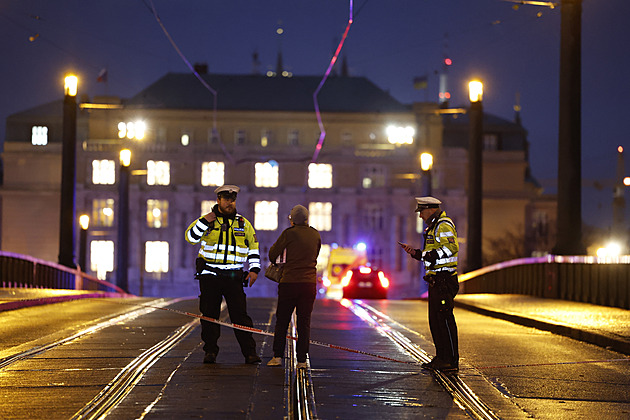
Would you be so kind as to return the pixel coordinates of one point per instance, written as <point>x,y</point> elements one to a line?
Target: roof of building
<point>511,135</point>
<point>489,120</point>
<point>54,108</point>
<point>262,93</point>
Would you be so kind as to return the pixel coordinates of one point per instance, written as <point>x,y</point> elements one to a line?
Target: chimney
<point>201,68</point>
<point>255,63</point>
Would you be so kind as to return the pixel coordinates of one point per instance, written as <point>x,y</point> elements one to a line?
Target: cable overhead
<point>203,82</point>
<point>322,131</point>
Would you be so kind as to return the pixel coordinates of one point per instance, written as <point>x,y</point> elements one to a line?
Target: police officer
<point>228,240</point>
<point>439,255</point>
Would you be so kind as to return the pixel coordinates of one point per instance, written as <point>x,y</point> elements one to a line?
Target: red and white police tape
<point>263,332</point>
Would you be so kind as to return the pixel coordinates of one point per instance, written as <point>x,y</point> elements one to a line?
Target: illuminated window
<point>158,172</point>
<point>186,136</point>
<point>39,135</point>
<point>102,258</point>
<point>266,215</point>
<point>294,137</point>
<point>265,138</point>
<point>400,135</point>
<point>373,176</point>
<point>102,212</point>
<point>206,206</point>
<point>320,216</point>
<point>320,175</point>
<point>156,257</point>
<point>267,174</point>
<point>212,173</point>
<point>103,172</point>
<point>131,130</point>
<point>157,213</point>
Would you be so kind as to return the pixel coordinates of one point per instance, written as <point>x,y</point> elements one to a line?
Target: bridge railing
<point>17,270</point>
<point>601,281</point>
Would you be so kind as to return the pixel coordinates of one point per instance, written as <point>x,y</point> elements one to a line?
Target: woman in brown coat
<point>298,285</point>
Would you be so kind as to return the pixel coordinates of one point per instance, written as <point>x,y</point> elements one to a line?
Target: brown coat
<point>302,243</point>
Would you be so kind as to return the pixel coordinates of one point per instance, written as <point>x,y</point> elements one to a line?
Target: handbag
<point>273,272</point>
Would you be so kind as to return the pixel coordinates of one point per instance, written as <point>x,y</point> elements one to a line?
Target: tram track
<point>35,350</point>
<point>461,393</point>
<point>130,375</point>
<point>301,394</point>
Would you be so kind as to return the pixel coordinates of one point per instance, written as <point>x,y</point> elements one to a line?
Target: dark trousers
<point>213,289</point>
<point>301,297</point>
<point>442,291</point>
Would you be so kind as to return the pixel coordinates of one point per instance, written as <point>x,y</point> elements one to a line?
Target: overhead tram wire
<point>192,69</point>
<point>333,60</point>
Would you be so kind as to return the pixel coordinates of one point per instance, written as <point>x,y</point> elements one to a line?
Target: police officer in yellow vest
<point>439,255</point>
<point>228,241</point>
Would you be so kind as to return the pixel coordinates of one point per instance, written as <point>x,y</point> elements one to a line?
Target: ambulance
<point>340,261</point>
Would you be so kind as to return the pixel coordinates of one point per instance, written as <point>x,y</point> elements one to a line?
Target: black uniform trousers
<point>213,288</point>
<point>442,290</point>
<point>301,297</point>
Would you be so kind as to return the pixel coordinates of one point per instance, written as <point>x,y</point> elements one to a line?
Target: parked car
<point>365,282</point>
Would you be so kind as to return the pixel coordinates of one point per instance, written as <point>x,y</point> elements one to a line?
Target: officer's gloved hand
<point>430,257</point>
<point>210,217</point>
<point>429,279</point>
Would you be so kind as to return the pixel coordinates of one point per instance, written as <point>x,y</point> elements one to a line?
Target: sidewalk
<point>600,325</point>
<point>16,298</point>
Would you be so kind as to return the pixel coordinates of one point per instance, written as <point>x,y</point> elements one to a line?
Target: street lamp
<point>67,211</point>
<point>123,221</point>
<point>473,242</point>
<point>426,163</point>
<point>84,222</point>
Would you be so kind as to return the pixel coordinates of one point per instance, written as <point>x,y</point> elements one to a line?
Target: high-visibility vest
<point>442,237</point>
<point>226,243</point>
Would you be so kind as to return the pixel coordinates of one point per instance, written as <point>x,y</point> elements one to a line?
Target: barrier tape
<point>267,333</point>
<point>334,346</point>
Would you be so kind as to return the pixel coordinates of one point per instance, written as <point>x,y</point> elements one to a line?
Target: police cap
<point>427,203</point>
<point>228,191</point>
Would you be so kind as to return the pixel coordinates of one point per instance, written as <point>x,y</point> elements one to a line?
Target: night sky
<point>513,49</point>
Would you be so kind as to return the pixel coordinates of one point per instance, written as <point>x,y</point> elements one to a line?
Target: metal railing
<point>23,271</point>
<point>600,281</point>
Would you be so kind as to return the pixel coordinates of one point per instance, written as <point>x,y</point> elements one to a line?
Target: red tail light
<point>384,280</point>
<point>346,279</point>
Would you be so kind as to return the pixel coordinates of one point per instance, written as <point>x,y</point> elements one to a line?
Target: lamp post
<point>426,163</point>
<point>569,216</point>
<point>84,222</point>
<point>123,221</point>
<point>67,211</point>
<point>473,242</point>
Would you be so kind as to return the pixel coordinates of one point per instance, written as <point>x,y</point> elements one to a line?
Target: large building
<point>262,133</point>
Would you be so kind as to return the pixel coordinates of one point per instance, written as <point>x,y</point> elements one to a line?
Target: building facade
<point>262,134</point>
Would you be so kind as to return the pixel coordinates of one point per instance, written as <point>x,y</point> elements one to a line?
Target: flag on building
<point>102,76</point>
<point>421,82</point>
